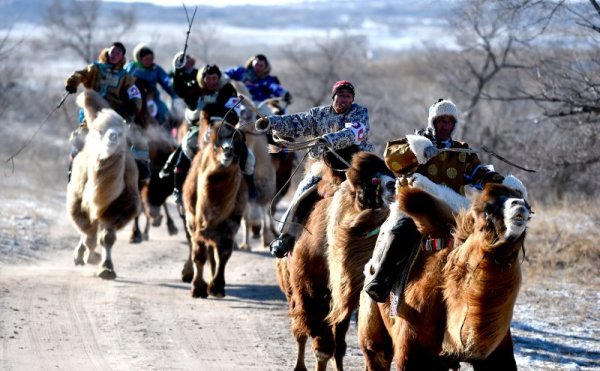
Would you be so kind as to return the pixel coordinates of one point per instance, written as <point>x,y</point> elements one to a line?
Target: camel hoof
<point>186,277</point>
<point>157,221</point>
<point>300,368</point>
<point>199,292</point>
<point>93,258</point>
<point>136,237</point>
<point>107,274</point>
<point>245,247</point>
<point>218,292</point>
<point>145,237</point>
<point>172,229</point>
<point>78,261</point>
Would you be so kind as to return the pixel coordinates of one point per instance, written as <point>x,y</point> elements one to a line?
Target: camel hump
<point>92,103</point>
<point>433,216</point>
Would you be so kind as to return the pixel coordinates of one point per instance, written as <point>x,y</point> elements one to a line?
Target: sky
<point>217,3</point>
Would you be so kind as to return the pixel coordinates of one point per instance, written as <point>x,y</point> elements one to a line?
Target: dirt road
<point>58,316</point>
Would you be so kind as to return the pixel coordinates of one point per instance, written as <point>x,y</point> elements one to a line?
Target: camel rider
<point>183,79</point>
<point>217,97</point>
<point>255,74</point>
<point>108,77</point>
<point>148,74</point>
<point>339,125</point>
<point>423,153</point>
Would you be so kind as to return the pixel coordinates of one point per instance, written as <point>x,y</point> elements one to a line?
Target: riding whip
<point>190,22</point>
<point>11,158</point>
<point>488,151</point>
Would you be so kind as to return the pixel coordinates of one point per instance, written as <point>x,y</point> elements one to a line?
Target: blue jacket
<point>260,88</point>
<point>149,77</point>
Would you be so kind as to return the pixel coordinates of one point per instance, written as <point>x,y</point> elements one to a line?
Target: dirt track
<point>56,315</point>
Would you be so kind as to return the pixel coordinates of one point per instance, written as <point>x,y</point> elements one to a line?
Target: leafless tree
<point>532,67</point>
<point>79,26</point>
<point>10,73</point>
<point>317,64</point>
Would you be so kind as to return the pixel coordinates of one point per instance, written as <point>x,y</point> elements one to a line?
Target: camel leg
<point>339,333</point>
<point>245,233</point>
<point>222,254</point>
<point>79,251</point>
<point>91,256</point>
<point>266,232</point>
<point>199,253</point>
<point>373,337</point>
<point>170,223</point>
<point>146,232</point>
<point>136,234</point>
<point>502,358</point>
<point>107,238</point>
<point>187,272</point>
<point>301,343</point>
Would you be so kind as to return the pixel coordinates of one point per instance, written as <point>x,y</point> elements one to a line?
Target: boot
<point>169,165</point>
<point>180,172</point>
<point>399,245</point>
<point>252,192</point>
<point>280,246</point>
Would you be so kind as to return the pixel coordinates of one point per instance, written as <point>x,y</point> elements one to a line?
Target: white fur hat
<point>440,108</point>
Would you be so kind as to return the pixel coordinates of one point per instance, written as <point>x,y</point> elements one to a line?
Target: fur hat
<point>440,108</point>
<point>140,51</point>
<point>342,84</point>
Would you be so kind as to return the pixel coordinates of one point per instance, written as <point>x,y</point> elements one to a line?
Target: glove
<point>70,88</point>
<point>319,148</point>
<point>262,124</point>
<point>179,61</point>
<point>430,152</point>
<point>287,97</point>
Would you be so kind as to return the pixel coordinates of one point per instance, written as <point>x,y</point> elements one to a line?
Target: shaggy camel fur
<point>345,220</point>
<point>102,195</point>
<point>458,302</point>
<point>214,199</point>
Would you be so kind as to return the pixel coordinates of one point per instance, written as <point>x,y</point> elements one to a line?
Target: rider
<point>108,77</point>
<point>217,97</point>
<point>255,74</point>
<point>423,153</point>
<point>148,74</point>
<point>338,125</point>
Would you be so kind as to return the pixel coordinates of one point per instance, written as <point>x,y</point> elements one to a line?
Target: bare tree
<point>319,63</point>
<point>80,27</point>
<point>10,73</point>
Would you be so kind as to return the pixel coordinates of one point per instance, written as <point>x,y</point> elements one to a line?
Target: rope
<point>12,157</point>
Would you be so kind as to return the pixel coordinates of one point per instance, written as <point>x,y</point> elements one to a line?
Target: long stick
<point>250,105</point>
<point>190,22</point>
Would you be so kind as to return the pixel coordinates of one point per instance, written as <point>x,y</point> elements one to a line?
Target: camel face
<point>229,145</point>
<point>505,212</point>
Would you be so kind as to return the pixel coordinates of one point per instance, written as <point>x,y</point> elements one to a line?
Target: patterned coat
<point>453,169</point>
<point>340,130</point>
<point>112,82</point>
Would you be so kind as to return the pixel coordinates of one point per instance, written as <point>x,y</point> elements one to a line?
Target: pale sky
<point>218,3</point>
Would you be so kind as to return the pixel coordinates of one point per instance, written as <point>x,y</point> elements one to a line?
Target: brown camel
<point>458,302</point>
<point>214,199</point>
<point>345,219</point>
<point>102,195</point>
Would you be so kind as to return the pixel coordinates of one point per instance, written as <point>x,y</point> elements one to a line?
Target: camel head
<point>106,127</point>
<point>501,212</point>
<point>227,142</point>
<point>371,181</point>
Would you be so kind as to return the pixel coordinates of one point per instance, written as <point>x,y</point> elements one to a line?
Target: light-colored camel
<point>458,302</point>
<point>102,195</point>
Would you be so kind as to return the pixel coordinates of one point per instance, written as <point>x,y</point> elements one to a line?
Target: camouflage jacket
<point>113,83</point>
<point>453,169</point>
<point>338,129</point>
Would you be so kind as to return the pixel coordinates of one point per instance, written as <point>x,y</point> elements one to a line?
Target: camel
<point>214,199</point>
<point>458,302</point>
<point>342,221</point>
<point>155,193</point>
<point>102,196</point>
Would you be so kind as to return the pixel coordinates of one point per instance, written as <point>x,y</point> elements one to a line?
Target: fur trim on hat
<point>266,72</point>
<point>417,144</point>
<point>441,108</point>
<point>140,51</point>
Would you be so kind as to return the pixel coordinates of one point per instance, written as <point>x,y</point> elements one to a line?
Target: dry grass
<point>564,239</point>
